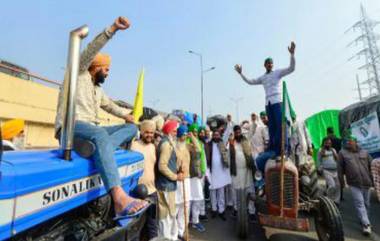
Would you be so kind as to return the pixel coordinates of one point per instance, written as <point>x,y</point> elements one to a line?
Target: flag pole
<point>282,152</point>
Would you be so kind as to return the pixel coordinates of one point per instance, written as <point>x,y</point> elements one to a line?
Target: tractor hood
<point>38,185</point>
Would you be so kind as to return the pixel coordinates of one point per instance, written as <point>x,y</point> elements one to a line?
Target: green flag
<point>288,113</point>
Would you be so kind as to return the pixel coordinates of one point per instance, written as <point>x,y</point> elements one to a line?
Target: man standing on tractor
<point>272,82</point>
<point>355,164</point>
<point>90,98</point>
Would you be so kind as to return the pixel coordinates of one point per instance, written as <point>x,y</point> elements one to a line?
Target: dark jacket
<point>223,151</point>
<point>356,166</point>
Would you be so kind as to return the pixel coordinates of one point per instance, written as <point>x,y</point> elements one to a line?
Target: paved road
<point>218,230</point>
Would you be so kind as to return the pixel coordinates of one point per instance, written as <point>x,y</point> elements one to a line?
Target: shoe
<point>367,230</point>
<point>252,218</point>
<point>199,227</point>
<point>213,214</point>
<point>234,214</point>
<point>180,238</point>
<point>222,216</point>
<point>229,207</point>
<point>204,218</point>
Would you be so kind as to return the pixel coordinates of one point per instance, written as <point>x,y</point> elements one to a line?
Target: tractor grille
<point>289,189</point>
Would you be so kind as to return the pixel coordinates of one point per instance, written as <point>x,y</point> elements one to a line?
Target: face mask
<point>99,78</point>
<point>19,142</point>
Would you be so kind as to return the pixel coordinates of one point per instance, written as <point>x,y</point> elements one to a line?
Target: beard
<point>216,140</point>
<point>99,78</point>
<point>238,138</point>
<point>147,140</point>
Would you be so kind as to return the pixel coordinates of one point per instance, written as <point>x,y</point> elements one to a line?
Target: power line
<point>370,52</point>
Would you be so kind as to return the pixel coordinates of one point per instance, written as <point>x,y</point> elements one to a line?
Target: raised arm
<point>239,69</point>
<point>292,66</point>
<point>99,41</point>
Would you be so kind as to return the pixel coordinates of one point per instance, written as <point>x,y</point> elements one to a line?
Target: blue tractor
<point>58,194</point>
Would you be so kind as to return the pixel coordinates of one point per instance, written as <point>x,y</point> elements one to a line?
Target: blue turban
<point>182,130</point>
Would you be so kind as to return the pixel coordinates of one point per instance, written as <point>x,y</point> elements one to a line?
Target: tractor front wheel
<point>242,216</point>
<point>328,221</point>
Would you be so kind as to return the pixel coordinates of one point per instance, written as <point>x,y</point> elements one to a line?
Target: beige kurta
<point>183,158</point>
<point>149,152</point>
<point>259,140</point>
<point>183,164</point>
<point>90,98</point>
<point>243,178</point>
<point>166,200</point>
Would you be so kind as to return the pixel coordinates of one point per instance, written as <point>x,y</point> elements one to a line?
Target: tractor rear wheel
<point>242,215</point>
<point>328,221</point>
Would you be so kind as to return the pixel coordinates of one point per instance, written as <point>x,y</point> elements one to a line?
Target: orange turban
<point>12,128</point>
<point>101,60</point>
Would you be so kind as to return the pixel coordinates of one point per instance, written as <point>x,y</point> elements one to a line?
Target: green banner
<point>317,125</point>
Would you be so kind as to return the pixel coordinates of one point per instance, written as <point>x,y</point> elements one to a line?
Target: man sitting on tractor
<point>90,98</point>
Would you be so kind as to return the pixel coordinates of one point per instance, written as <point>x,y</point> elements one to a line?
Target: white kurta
<point>259,140</point>
<point>300,138</point>
<point>220,176</point>
<point>243,178</point>
<point>300,141</point>
<point>179,191</point>
<point>196,189</point>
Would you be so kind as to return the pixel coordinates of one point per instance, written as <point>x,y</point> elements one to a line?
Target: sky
<point>34,34</point>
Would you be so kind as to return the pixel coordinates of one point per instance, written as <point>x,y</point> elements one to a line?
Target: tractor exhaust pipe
<point>69,90</point>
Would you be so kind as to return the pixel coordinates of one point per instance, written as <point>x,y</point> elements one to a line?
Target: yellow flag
<point>139,99</point>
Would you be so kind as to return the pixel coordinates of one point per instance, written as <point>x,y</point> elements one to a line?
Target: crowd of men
<point>186,163</point>
<point>216,164</point>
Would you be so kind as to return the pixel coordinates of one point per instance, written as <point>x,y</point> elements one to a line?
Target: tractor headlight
<point>305,180</point>
<point>258,175</point>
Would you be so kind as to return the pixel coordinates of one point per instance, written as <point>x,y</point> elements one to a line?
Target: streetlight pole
<point>236,101</point>
<point>202,72</point>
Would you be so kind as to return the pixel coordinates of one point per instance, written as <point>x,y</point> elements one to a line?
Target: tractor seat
<point>83,147</point>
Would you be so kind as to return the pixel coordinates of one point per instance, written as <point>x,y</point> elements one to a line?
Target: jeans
<point>332,183</point>
<point>106,139</point>
<point>361,197</point>
<point>262,158</point>
<point>274,125</point>
<point>151,224</point>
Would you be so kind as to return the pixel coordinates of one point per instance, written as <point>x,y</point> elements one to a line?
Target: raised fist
<point>121,23</point>
<point>238,68</point>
